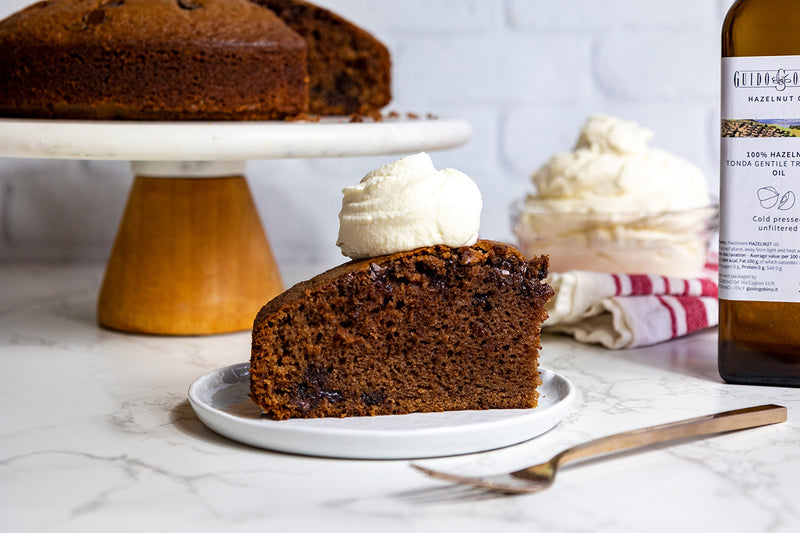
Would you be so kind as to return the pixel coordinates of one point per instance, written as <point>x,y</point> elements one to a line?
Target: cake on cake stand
<point>191,256</point>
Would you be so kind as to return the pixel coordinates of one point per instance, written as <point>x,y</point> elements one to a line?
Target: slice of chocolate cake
<point>432,329</point>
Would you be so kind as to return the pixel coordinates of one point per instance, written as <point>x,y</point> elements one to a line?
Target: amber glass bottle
<point>759,320</point>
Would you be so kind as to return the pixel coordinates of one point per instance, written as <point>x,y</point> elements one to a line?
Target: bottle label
<point>759,250</point>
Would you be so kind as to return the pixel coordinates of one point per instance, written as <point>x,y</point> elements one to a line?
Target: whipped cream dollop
<point>613,169</point>
<point>408,204</point>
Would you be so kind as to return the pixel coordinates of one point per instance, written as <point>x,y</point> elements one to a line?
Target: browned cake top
<point>484,251</point>
<point>210,22</point>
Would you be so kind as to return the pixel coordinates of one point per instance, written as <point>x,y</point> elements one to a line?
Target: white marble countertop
<point>97,435</point>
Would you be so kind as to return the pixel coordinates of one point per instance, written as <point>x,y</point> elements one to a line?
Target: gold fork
<point>539,477</point>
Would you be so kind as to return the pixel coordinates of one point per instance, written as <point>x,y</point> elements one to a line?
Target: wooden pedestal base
<point>190,258</point>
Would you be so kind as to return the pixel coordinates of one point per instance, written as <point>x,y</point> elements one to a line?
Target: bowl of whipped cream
<point>615,204</point>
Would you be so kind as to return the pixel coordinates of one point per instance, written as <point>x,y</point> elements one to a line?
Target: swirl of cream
<point>408,204</point>
<point>612,169</point>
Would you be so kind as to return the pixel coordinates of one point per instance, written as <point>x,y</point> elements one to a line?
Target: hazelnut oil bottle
<point>759,288</point>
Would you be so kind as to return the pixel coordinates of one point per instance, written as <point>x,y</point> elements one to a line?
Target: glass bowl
<point>671,243</point>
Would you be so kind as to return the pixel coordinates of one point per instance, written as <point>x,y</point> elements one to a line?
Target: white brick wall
<point>526,73</point>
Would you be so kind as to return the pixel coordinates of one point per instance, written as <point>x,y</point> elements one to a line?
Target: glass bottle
<point>759,318</point>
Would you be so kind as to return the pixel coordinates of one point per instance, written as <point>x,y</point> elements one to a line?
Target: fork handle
<point>750,417</point>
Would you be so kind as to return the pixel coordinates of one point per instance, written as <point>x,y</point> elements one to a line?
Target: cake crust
<point>433,329</point>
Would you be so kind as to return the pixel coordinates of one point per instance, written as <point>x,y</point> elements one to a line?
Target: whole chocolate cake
<point>432,329</point>
<point>187,60</point>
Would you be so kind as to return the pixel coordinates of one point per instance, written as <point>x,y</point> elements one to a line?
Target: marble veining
<point>97,434</point>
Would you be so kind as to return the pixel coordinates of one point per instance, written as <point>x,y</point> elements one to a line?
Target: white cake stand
<point>191,256</point>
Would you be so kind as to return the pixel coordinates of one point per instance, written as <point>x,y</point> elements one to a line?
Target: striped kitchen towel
<point>622,311</point>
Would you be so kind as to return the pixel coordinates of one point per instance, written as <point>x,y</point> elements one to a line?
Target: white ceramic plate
<point>221,400</point>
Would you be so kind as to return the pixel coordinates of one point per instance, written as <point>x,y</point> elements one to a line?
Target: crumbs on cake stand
<point>361,117</point>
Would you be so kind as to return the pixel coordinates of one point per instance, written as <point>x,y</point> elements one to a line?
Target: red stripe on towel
<point>667,286</point>
<point>696,318</point>
<point>617,284</point>
<point>709,288</point>
<point>672,318</point>
<point>641,284</point>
